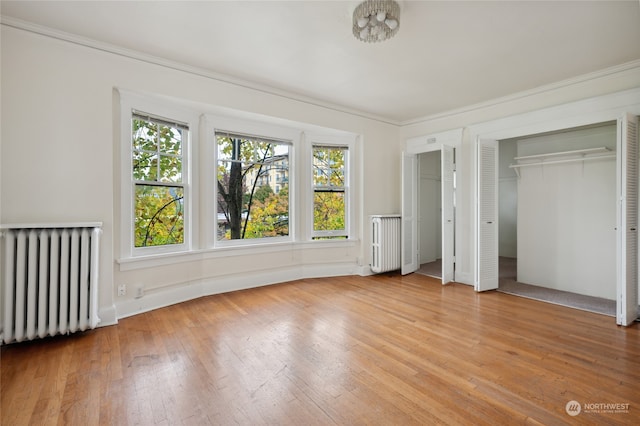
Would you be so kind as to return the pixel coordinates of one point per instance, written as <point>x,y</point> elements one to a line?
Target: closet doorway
<point>428,210</point>
<point>430,214</point>
<point>557,215</point>
<point>507,212</point>
<point>564,245</point>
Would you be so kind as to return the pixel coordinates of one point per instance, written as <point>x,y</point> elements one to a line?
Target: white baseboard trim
<point>162,297</point>
<point>107,316</point>
<point>167,296</point>
<point>365,271</point>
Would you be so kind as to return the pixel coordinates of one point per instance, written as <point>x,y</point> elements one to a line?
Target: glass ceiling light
<point>376,20</point>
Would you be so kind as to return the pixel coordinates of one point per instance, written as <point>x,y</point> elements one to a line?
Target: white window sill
<point>149,261</point>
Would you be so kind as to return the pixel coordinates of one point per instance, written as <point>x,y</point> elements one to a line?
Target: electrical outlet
<point>122,290</point>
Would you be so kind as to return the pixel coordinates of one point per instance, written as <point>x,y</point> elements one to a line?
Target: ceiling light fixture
<point>376,20</point>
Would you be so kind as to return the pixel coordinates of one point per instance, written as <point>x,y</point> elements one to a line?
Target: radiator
<point>385,242</point>
<point>50,280</point>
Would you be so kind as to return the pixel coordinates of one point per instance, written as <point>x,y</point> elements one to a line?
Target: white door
<point>627,229</point>
<point>409,251</point>
<point>448,213</point>
<point>487,217</point>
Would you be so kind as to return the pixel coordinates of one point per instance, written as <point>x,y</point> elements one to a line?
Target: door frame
<point>413,148</point>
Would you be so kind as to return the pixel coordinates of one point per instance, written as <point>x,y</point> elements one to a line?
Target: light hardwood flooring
<point>385,349</point>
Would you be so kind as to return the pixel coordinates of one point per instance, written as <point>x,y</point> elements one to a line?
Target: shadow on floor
<point>508,284</point>
<point>431,269</point>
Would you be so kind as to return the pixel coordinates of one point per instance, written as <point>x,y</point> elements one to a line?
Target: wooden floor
<point>386,350</point>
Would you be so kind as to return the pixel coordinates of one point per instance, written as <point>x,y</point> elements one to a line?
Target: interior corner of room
<point>319,212</point>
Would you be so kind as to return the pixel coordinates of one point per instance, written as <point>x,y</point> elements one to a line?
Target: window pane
<point>328,211</point>
<point>337,177</point>
<point>157,151</point>
<point>170,169</point>
<point>320,177</point>
<point>159,218</point>
<point>329,166</point>
<point>225,148</point>
<point>253,192</point>
<point>145,166</point>
<point>144,135</point>
<point>170,140</point>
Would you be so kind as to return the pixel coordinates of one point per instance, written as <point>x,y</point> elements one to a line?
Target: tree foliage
<point>328,212</point>
<point>159,216</point>
<point>270,218</point>
<point>245,197</point>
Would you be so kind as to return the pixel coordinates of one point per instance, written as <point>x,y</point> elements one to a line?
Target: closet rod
<point>569,160</point>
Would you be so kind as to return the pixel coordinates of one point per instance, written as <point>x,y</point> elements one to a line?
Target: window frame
<point>259,130</point>
<point>158,182</point>
<point>132,104</point>
<point>332,141</point>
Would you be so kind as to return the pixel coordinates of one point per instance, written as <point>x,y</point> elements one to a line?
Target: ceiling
<point>446,55</point>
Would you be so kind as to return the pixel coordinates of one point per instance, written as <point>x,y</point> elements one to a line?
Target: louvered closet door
<point>448,212</point>
<point>487,225</point>
<point>409,251</point>
<point>627,282</point>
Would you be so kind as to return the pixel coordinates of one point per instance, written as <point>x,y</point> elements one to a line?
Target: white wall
<point>567,216</point>
<point>59,144</point>
<point>508,201</point>
<point>430,207</point>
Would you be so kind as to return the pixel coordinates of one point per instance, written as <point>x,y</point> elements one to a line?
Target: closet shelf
<point>542,157</point>
<point>585,151</point>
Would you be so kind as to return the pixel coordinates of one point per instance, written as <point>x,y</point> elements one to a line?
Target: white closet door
<point>448,212</point>
<point>487,216</point>
<point>409,251</point>
<point>627,230</point>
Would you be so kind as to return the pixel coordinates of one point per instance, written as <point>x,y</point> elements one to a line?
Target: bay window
<point>193,182</point>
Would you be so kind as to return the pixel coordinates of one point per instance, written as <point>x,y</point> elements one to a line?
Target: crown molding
<point>178,66</point>
<point>265,89</point>
<point>627,66</point>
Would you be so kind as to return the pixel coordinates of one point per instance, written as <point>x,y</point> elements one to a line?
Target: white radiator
<point>385,242</point>
<point>50,280</point>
